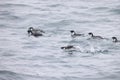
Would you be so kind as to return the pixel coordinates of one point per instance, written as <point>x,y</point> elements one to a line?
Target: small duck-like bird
<point>74,34</point>
<point>68,47</point>
<point>115,39</point>
<point>35,32</point>
<point>95,37</point>
<point>72,48</point>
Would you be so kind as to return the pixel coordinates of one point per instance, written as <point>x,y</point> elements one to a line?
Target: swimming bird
<point>115,39</point>
<point>35,32</point>
<point>68,47</point>
<point>95,37</point>
<point>72,48</point>
<point>74,34</point>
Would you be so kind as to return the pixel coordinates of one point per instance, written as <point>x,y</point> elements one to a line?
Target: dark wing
<point>36,33</point>
<point>99,37</point>
<point>79,34</point>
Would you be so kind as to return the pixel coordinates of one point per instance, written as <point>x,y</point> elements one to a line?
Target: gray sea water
<point>31,58</point>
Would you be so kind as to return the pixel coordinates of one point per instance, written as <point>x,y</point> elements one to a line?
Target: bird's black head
<point>29,31</point>
<point>114,38</point>
<point>90,33</point>
<point>72,31</point>
<point>31,28</point>
<point>62,47</point>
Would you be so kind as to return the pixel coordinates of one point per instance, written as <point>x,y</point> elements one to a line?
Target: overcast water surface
<point>30,58</point>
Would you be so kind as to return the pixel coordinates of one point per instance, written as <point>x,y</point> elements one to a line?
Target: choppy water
<point>30,58</point>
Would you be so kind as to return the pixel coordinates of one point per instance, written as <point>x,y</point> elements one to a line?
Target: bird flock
<point>38,32</point>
